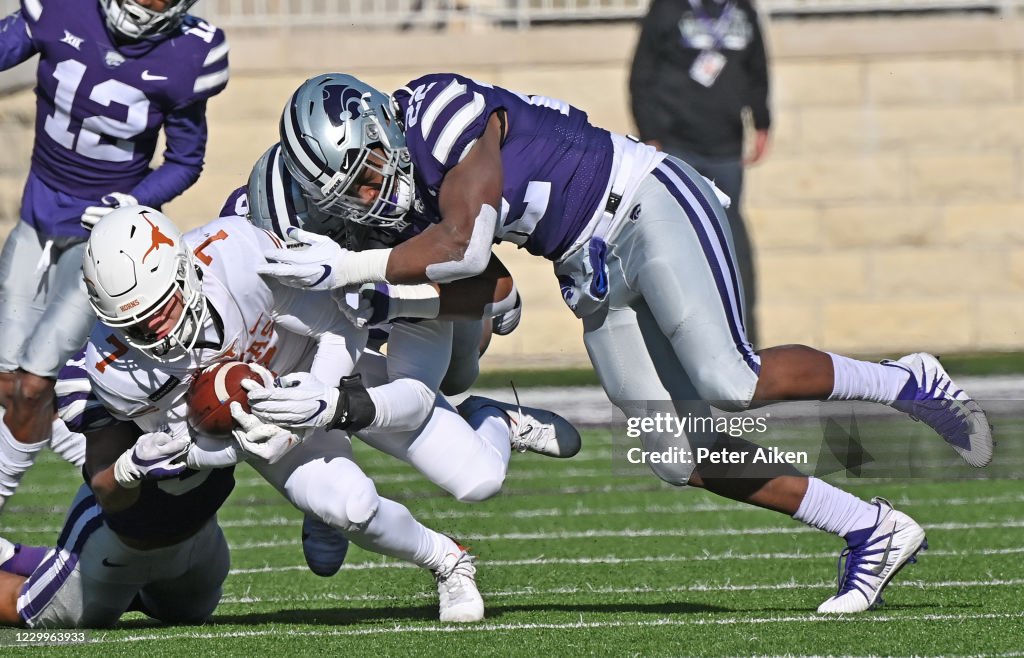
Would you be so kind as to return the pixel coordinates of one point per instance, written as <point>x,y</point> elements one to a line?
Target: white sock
<point>863,380</point>
<point>394,532</point>
<point>15,459</point>
<point>833,510</point>
<point>69,445</point>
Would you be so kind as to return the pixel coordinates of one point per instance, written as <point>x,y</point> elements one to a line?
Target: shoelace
<point>940,400</point>
<point>522,429</point>
<point>851,567</point>
<point>455,586</point>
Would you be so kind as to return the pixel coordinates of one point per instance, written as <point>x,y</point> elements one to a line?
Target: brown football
<point>214,389</point>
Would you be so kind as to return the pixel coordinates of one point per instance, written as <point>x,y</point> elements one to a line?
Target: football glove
<point>109,204</point>
<point>301,400</point>
<point>260,439</point>
<point>319,263</point>
<point>155,456</point>
<point>375,304</point>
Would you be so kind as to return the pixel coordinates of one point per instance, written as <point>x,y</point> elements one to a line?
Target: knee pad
<point>480,489</point>
<point>678,475</point>
<point>350,507</point>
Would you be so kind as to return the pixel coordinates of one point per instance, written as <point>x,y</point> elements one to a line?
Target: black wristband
<point>355,406</point>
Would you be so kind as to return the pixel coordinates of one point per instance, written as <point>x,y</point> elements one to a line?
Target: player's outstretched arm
<point>459,246</point>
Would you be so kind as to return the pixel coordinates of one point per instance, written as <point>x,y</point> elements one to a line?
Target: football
<point>210,396</point>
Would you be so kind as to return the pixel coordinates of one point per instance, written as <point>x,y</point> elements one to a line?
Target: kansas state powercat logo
<point>113,59</point>
<point>341,102</point>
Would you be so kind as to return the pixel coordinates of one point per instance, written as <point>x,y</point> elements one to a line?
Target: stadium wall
<point>889,214</point>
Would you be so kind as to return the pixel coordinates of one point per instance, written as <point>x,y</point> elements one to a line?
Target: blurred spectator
<point>698,64</point>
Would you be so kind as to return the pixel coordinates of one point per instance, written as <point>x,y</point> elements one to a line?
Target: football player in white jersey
<point>643,252</point>
<point>170,305</point>
<point>409,419</point>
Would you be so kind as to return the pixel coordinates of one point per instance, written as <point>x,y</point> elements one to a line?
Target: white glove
<point>299,400</point>
<point>260,439</point>
<point>110,203</point>
<point>322,264</point>
<point>376,304</point>
<point>155,456</point>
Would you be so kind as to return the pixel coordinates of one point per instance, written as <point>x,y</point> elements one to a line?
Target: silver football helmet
<point>337,131</point>
<point>136,261</point>
<point>277,203</point>
<point>129,19</point>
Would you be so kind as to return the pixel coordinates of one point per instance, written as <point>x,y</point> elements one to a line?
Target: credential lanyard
<point>716,27</point>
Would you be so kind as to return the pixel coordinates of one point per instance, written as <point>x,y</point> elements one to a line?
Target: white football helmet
<point>333,128</point>
<point>129,19</point>
<point>135,262</point>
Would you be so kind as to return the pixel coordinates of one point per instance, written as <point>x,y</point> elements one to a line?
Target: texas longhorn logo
<point>157,238</point>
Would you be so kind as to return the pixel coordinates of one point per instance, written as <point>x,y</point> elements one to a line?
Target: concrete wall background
<point>889,214</point>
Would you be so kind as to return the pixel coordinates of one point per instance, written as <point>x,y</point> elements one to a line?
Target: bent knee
<point>678,475</point>
<point>349,506</point>
<point>33,390</point>
<point>727,388</point>
<point>480,489</point>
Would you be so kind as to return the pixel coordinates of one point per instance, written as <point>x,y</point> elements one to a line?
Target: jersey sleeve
<point>209,62</point>
<point>77,405</point>
<point>15,40</point>
<point>444,116</point>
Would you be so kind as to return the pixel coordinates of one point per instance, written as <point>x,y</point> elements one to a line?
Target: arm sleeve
<point>643,74</point>
<point>418,356</point>
<point>316,315</point>
<point>185,130</point>
<point>15,41</point>
<point>757,74</point>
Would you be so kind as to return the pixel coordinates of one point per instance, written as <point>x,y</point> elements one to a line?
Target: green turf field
<point>577,560</point>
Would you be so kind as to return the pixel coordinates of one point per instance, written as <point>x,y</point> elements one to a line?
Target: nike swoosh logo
<point>327,273</point>
<point>146,75</point>
<point>320,409</point>
<point>108,563</point>
<point>880,567</point>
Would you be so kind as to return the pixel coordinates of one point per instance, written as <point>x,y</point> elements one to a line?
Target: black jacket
<point>669,105</point>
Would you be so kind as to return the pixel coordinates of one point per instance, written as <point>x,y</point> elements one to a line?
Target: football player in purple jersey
<point>111,75</point>
<point>643,252</point>
<point>141,535</point>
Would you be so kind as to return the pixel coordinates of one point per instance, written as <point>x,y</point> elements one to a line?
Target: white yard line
<point>559,591</point>
<point>580,625</point>
<point>648,559</point>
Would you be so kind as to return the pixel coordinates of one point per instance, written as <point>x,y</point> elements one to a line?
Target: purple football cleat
<point>933,398</point>
<point>873,556</point>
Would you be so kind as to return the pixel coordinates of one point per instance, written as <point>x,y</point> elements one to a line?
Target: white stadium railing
<point>397,14</point>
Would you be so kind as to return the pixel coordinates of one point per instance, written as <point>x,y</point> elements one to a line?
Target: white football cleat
<point>873,558</point>
<point>932,397</point>
<point>536,430</point>
<point>460,600</point>
<point>323,546</point>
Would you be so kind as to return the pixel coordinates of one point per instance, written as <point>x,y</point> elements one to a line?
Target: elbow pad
<point>478,252</point>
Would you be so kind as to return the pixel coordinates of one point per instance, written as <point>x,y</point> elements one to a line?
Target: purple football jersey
<point>556,164</point>
<point>165,509</point>
<point>101,105</point>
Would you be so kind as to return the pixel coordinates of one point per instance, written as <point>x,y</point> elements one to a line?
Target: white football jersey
<point>250,319</point>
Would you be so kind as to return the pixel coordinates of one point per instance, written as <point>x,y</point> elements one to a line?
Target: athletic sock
<point>833,510</point>
<point>394,532</point>
<point>67,444</point>
<point>863,380</point>
<point>15,459</point>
